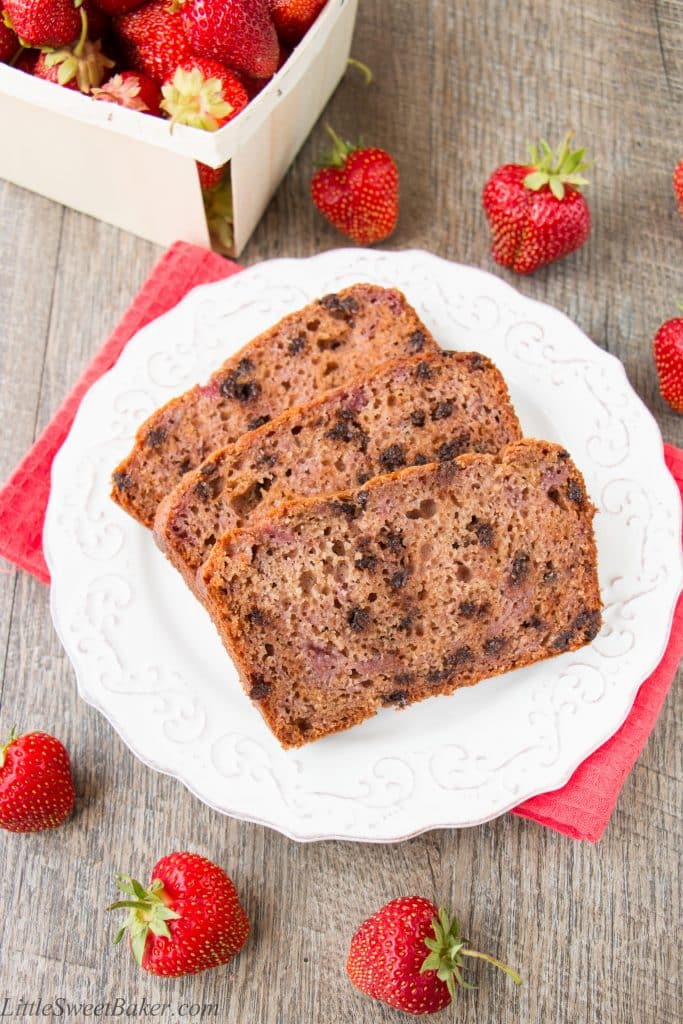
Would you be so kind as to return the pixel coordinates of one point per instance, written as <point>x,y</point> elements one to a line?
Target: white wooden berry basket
<point>129,170</point>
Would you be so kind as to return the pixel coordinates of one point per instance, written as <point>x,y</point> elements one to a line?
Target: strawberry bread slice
<point>420,582</point>
<point>320,347</point>
<point>409,412</point>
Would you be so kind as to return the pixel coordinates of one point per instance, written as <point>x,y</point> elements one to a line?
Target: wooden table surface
<point>460,87</point>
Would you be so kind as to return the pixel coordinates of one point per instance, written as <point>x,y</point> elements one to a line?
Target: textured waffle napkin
<point>581,809</point>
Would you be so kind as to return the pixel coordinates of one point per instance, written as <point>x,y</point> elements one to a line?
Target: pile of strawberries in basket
<point>196,62</point>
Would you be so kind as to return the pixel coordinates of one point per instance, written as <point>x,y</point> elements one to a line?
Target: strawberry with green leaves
<point>668,352</point>
<point>678,185</point>
<point>82,65</point>
<point>133,90</point>
<point>357,190</point>
<point>44,22</point>
<point>536,212</point>
<point>9,43</point>
<point>239,33</point>
<point>293,18</point>
<point>189,919</point>
<point>409,955</point>
<point>36,788</point>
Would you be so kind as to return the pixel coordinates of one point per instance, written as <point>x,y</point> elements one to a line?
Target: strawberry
<point>210,177</point>
<point>357,190</point>
<point>153,40</point>
<point>44,22</point>
<point>668,353</point>
<point>203,94</point>
<point>188,920</point>
<point>36,788</point>
<point>293,18</point>
<point>239,33</point>
<point>133,90</point>
<point>98,22</point>
<point>678,185</point>
<point>409,956</point>
<point>536,211</point>
<point>81,67</point>
<point>9,44</point>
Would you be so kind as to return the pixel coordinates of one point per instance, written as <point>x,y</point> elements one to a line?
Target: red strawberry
<point>98,22</point>
<point>36,788</point>
<point>535,211</point>
<point>153,40</point>
<point>203,94</point>
<point>188,920</point>
<point>239,33</point>
<point>27,61</point>
<point>133,90</point>
<point>45,22</point>
<point>210,177</point>
<point>668,353</point>
<point>82,66</point>
<point>678,185</point>
<point>409,956</point>
<point>293,18</point>
<point>9,44</point>
<point>357,191</point>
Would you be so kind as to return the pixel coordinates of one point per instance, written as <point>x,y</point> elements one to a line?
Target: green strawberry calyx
<point>85,61</point>
<point>340,152</point>
<point>556,169</point>
<point>5,746</point>
<point>191,99</point>
<point>446,951</point>
<point>148,912</point>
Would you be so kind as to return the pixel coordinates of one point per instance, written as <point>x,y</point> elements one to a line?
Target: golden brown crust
<point>425,580</point>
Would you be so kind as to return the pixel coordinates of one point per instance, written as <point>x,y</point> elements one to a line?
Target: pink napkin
<point>581,809</point>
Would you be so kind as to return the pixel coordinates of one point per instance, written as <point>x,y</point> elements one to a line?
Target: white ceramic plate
<point>147,656</point>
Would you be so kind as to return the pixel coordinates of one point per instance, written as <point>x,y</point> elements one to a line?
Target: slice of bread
<point>422,581</point>
<point>409,412</point>
<point>320,347</point>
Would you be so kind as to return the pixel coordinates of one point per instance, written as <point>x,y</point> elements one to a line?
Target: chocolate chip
<point>423,371</point>
<point>243,391</point>
<point>520,568</point>
<point>420,459</point>
<point>550,575</point>
<point>122,481</point>
<point>574,492</point>
<point>404,678</point>
<point>296,345</point>
<point>201,490</point>
<point>468,609</point>
<point>367,562</point>
<point>393,541</point>
<point>587,622</point>
<point>358,619</point>
<point>399,579</point>
<point>392,458</point>
<point>266,459</point>
<point>460,656</point>
<point>256,617</point>
<point>363,478</point>
<point>260,421</point>
<point>418,418</point>
<point>477,361</point>
<point>563,454</point>
<point>259,689</point>
<point>348,429</point>
<point>447,451</point>
<point>416,341</point>
<point>484,533</point>
<point>184,467</point>
<point>345,508</point>
<point>362,499</point>
<point>435,676</point>
<point>405,623</point>
<point>535,622</point>
<point>244,366</point>
<point>495,645</point>
<point>340,309</point>
<point>442,410</point>
<point>562,640</point>
<point>397,697</point>
<point>156,437</point>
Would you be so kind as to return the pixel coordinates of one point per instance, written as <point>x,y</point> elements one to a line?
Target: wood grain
<point>460,87</point>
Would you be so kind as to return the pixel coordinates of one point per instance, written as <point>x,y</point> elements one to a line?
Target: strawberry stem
<point>340,152</point>
<point>148,911</point>
<point>446,951</point>
<point>363,68</point>
<point>5,747</point>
